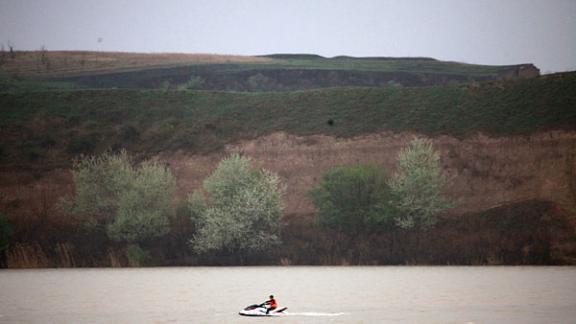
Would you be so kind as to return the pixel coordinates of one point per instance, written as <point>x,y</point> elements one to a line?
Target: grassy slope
<point>388,65</point>
<point>298,74</point>
<point>62,123</point>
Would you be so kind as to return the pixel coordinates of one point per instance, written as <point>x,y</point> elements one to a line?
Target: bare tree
<point>11,49</point>
<point>2,54</point>
<point>44,60</point>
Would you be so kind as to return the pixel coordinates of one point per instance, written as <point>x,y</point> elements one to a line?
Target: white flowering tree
<point>419,186</point>
<point>241,210</point>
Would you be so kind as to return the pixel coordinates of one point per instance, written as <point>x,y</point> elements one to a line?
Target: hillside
<point>48,64</point>
<point>279,72</point>
<point>508,145</point>
<point>57,125</point>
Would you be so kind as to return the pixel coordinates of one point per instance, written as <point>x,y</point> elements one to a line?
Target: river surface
<point>312,295</point>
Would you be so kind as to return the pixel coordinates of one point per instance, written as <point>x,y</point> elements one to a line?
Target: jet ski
<point>260,310</point>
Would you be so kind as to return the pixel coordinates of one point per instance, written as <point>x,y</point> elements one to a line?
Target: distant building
<point>521,71</point>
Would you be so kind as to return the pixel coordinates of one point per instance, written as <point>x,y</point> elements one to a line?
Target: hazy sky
<point>474,31</point>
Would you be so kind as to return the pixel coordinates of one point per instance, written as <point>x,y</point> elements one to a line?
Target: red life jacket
<point>272,303</point>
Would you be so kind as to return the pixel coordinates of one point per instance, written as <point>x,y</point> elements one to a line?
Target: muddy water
<point>312,294</point>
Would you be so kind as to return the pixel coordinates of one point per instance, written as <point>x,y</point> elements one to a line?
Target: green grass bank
<point>71,122</point>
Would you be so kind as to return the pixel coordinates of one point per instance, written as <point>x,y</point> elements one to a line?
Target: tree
<point>44,60</point>
<point>354,199</point>
<point>3,56</point>
<point>144,209</point>
<point>131,204</point>
<point>241,211</point>
<point>11,49</point>
<point>418,186</point>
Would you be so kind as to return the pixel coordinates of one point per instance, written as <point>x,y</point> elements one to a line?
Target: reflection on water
<point>312,294</point>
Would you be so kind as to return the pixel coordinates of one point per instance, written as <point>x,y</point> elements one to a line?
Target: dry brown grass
<point>486,171</point>
<point>69,63</point>
<point>285,262</point>
<point>64,257</point>
<point>27,256</point>
<point>115,258</point>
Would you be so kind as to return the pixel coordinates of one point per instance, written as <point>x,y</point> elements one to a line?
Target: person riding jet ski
<point>272,305</point>
<point>267,308</point>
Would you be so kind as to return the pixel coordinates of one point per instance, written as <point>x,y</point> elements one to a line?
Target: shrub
<point>132,204</point>
<point>195,82</point>
<point>418,186</point>
<point>165,85</point>
<point>354,199</point>
<point>242,212</point>
<point>260,82</point>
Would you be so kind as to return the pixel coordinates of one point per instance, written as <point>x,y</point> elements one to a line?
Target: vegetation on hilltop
<point>47,64</point>
<point>61,63</point>
<point>301,73</point>
<point>13,83</point>
<point>280,72</point>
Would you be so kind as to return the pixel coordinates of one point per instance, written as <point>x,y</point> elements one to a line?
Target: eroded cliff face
<point>485,172</point>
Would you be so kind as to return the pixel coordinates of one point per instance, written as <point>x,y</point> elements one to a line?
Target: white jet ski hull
<point>261,311</point>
